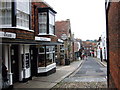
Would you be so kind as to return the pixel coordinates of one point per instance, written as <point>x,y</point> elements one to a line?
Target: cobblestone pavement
<point>90,75</point>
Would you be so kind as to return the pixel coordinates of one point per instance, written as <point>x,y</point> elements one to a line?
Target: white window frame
<point>5,7</point>
<point>51,22</point>
<point>42,18</point>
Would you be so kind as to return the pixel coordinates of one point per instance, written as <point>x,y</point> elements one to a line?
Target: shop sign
<point>64,37</point>
<point>42,39</point>
<point>7,35</point>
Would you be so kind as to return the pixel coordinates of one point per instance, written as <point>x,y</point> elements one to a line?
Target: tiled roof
<point>62,27</point>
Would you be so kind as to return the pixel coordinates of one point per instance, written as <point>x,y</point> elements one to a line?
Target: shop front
<point>46,60</point>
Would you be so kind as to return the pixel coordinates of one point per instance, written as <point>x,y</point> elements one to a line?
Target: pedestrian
<point>83,56</point>
<point>4,76</point>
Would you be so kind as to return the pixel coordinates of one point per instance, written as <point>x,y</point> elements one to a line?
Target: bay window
<point>42,22</point>
<point>15,14</point>
<point>46,55</point>
<point>5,13</point>
<point>22,19</point>
<point>51,22</point>
<point>46,21</point>
<point>23,12</point>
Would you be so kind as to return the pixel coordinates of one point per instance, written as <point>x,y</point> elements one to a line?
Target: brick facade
<point>21,34</point>
<point>35,6</point>
<point>114,42</point>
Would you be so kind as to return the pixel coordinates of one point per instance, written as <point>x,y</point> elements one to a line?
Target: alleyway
<point>91,74</point>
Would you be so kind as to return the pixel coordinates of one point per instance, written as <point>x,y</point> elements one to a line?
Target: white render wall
<point>103,46</point>
<point>24,72</point>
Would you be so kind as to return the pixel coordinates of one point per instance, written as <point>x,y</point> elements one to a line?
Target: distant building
<point>102,47</point>
<point>88,48</point>
<point>77,47</point>
<point>63,31</point>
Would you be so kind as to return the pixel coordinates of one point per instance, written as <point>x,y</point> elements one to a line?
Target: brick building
<point>113,28</point>
<point>63,31</point>
<point>43,22</point>
<point>89,47</point>
<point>28,39</point>
<point>17,37</point>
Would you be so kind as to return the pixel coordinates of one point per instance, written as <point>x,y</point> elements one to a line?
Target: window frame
<point>48,10</point>
<point>49,52</point>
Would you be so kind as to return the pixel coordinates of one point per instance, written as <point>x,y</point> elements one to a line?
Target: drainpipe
<point>9,65</point>
<point>107,43</point>
<point>24,62</point>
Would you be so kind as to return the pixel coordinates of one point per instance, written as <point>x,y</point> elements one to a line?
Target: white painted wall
<point>24,72</point>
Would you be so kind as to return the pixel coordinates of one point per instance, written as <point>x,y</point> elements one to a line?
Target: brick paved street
<point>91,74</point>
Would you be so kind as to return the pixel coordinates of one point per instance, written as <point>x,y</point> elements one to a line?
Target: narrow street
<point>91,74</point>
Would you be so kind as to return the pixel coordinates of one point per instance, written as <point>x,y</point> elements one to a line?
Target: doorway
<point>14,63</point>
<point>33,58</point>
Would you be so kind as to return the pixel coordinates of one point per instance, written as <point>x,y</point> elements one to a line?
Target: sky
<point>87,17</point>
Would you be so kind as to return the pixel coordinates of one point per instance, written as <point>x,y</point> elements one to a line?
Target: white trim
<point>47,68</point>
<point>46,34</point>
<point>42,38</point>
<point>50,52</point>
<point>18,27</point>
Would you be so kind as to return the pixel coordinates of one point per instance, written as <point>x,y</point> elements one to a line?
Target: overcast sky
<point>87,17</point>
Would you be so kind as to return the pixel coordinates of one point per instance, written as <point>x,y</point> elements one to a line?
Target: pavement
<point>104,63</point>
<point>51,80</point>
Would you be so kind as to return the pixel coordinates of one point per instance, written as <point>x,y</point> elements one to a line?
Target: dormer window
<point>46,21</point>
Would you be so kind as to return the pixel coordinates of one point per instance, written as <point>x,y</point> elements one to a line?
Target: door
<point>33,58</point>
<point>14,63</point>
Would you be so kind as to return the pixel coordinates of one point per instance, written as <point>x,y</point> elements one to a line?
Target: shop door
<point>33,58</point>
<point>14,63</point>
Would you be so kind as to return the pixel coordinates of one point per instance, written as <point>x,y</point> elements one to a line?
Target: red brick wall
<point>35,6</point>
<point>62,27</point>
<point>114,39</point>
<point>21,34</point>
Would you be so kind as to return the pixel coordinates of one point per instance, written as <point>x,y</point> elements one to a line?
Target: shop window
<point>41,60</point>
<point>41,56</point>
<point>46,58</point>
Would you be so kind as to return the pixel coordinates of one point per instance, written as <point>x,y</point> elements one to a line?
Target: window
<point>22,19</point>
<point>46,58</point>
<point>51,22</point>
<point>46,21</point>
<point>41,56</point>
<point>5,13</point>
<point>23,11</point>
<point>42,21</point>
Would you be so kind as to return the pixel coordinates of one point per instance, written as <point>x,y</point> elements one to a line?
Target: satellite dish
<point>63,36</point>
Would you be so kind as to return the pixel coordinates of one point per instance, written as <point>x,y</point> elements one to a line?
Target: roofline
<point>43,2</point>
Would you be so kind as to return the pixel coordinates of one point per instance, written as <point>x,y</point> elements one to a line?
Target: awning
<point>31,42</point>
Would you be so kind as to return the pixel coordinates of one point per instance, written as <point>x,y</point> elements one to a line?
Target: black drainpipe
<point>107,41</point>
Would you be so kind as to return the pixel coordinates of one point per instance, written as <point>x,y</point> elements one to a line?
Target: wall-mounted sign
<point>59,40</point>
<point>63,36</point>
<point>42,39</point>
<point>7,35</point>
